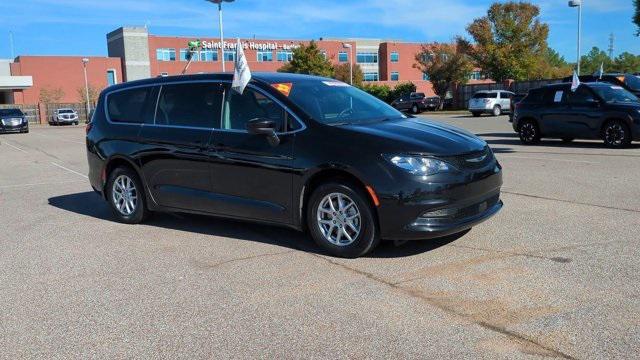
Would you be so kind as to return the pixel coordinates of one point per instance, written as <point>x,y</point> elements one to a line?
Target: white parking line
<point>545,159</point>
<point>15,147</point>
<point>69,170</point>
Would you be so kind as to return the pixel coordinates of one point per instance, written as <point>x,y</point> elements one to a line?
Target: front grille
<point>449,215</point>
<point>472,160</point>
<point>12,122</point>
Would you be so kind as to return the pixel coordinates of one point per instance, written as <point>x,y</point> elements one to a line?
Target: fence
<point>31,112</point>
<point>465,92</point>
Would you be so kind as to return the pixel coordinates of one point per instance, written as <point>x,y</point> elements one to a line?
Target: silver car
<point>64,116</point>
<point>495,102</point>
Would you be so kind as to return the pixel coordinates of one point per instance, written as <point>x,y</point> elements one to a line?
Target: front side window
<point>581,95</point>
<point>239,109</point>
<point>130,106</point>
<point>265,56</point>
<point>395,57</point>
<point>333,102</point>
<point>613,93</point>
<point>192,105</point>
<point>367,58</point>
<point>343,57</point>
<point>166,54</point>
<point>395,76</point>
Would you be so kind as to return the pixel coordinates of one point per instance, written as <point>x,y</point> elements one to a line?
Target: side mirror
<point>266,127</point>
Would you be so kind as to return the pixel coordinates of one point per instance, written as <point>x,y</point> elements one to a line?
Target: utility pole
<point>611,47</point>
<point>13,55</point>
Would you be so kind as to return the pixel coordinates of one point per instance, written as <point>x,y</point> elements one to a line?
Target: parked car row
<point>494,102</point>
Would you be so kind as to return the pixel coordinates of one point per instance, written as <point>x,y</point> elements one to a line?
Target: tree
<point>380,91</point>
<point>93,95</point>
<point>51,95</point>
<point>636,16</point>
<point>308,59</point>
<point>446,65</point>
<point>508,42</point>
<point>341,72</point>
<point>552,66</point>
<point>626,63</point>
<point>402,89</point>
<point>590,63</point>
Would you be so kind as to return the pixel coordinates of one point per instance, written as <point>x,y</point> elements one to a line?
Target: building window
<point>475,75</point>
<point>184,55</point>
<point>371,76</point>
<point>427,57</point>
<point>367,58</point>
<point>229,55</point>
<point>265,56</point>
<point>209,55</point>
<point>166,54</point>
<point>395,57</point>
<point>285,56</point>
<point>395,76</point>
<point>111,77</point>
<point>343,56</point>
<point>425,77</point>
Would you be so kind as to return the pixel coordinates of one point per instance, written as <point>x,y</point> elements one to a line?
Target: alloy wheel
<point>615,134</point>
<point>124,195</point>
<point>528,132</point>
<point>339,219</point>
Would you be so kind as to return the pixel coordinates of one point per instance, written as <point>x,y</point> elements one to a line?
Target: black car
<point>416,102</point>
<point>304,152</point>
<point>515,99</point>
<point>13,120</point>
<point>594,111</point>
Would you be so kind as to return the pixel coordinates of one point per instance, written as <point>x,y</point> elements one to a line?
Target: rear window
<point>192,105</point>
<point>484,95</point>
<point>128,106</point>
<point>11,112</point>
<point>417,95</point>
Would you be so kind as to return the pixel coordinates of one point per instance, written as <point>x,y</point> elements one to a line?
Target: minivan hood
<point>422,136</point>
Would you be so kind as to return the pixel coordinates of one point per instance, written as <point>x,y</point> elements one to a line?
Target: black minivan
<point>593,111</point>
<point>301,151</point>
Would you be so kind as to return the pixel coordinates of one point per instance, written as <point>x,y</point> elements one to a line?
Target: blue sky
<point>78,27</point>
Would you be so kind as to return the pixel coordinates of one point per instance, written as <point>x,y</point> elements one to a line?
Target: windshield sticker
<point>283,88</point>
<point>558,96</point>
<point>335,83</point>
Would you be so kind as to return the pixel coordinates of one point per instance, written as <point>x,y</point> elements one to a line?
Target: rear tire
<point>497,110</point>
<point>529,132</point>
<point>616,134</point>
<point>415,109</point>
<point>126,196</point>
<point>349,231</point>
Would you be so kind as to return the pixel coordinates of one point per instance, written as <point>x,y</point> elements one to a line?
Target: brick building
<point>134,54</point>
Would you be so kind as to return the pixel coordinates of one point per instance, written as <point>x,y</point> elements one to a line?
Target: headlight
<point>419,165</point>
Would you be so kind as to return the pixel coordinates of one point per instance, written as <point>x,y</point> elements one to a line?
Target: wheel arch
<point>325,175</point>
<point>118,161</point>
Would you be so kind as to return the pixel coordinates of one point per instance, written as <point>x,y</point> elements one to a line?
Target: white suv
<point>64,116</point>
<point>495,102</point>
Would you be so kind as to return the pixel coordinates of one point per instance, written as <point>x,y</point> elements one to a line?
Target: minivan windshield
<point>614,93</point>
<point>333,102</point>
<point>10,112</point>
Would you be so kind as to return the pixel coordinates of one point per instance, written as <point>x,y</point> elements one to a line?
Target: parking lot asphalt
<point>554,274</point>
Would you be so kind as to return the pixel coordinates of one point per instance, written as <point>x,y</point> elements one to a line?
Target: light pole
<point>219,2</point>
<point>350,47</point>
<point>578,4</point>
<point>85,61</point>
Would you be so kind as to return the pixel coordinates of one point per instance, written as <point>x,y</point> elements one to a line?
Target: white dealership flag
<point>575,82</point>
<point>601,71</point>
<point>241,74</point>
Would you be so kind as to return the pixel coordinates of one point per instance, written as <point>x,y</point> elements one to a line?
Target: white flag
<point>601,71</point>
<point>241,74</point>
<point>575,82</point>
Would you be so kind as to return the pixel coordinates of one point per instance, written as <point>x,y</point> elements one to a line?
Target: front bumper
<point>64,121</point>
<point>14,128</point>
<point>427,210</point>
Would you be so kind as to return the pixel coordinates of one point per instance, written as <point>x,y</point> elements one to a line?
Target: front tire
<point>529,132</point>
<point>126,196</point>
<point>616,134</point>
<point>414,109</point>
<point>341,220</point>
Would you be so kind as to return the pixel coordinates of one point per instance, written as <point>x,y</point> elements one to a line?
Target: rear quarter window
<point>128,106</point>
